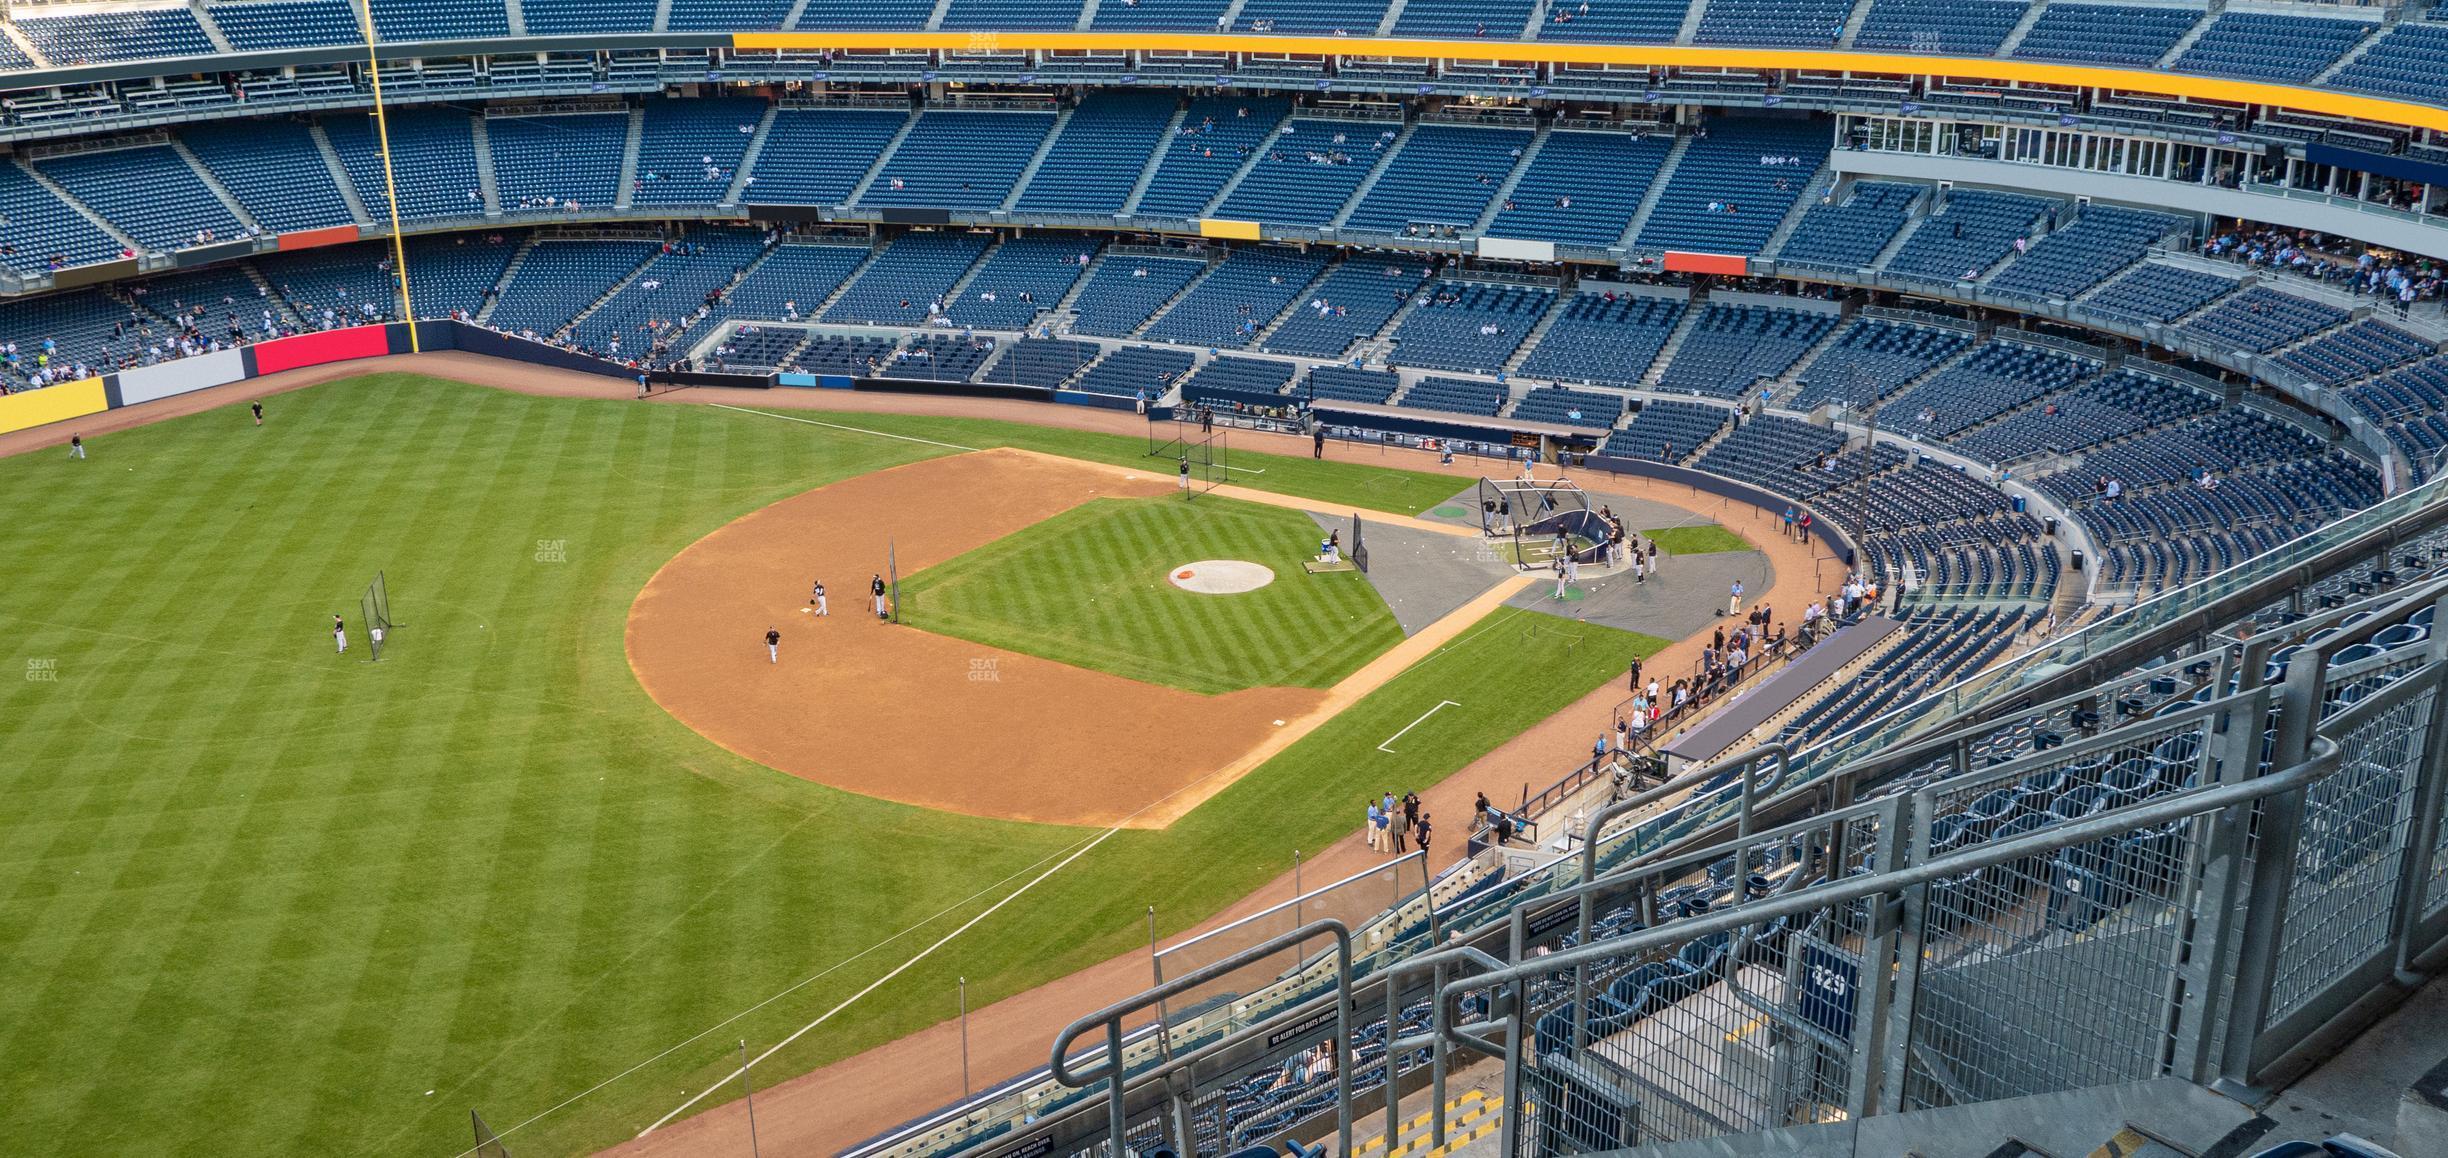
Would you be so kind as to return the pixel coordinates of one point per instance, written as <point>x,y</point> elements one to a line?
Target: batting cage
<point>1531,523</point>
<point>488,1143</point>
<point>1206,451</point>
<point>374,610</point>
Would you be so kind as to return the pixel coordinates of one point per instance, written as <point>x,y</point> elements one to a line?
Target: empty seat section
<point>1228,381</point>
<point>938,357</point>
<point>2363,348</point>
<point>441,19</point>
<point>1127,289</point>
<point>1347,384</point>
<point>2267,46</point>
<point>1566,406</point>
<point>2262,319</point>
<point>1469,326</point>
<point>1767,448</point>
<point>1873,357</point>
<point>689,150</point>
<point>150,194</point>
<point>1996,378</point>
<point>1729,191</point>
<point>727,15</point>
<point>1615,21</point>
<point>1238,297</point>
<point>1041,362</point>
<point>1216,137</point>
<point>1023,276</point>
<point>867,15</point>
<point>1582,188</point>
<point>1455,396</point>
<point>1973,231</point>
<point>651,311</point>
<point>1132,369</point>
<point>1952,27</point>
<point>2106,238</point>
<point>1778,23</point>
<point>1351,303</point>
<point>1160,15</point>
<point>2106,33</point>
<point>1849,233</point>
<point>1729,347</point>
<point>558,278</point>
<point>433,161</point>
<point>1601,340</point>
<point>101,37</point>
<point>1097,157</point>
<point>255,27</point>
<point>2158,293</point>
<point>2408,62</point>
<point>565,17</point>
<point>1305,174</point>
<point>1667,431</point>
<point>2112,407</point>
<point>1444,175</point>
<point>1464,19</point>
<point>273,168</point>
<point>1311,17</point>
<point>817,156</point>
<point>1013,14</point>
<point>907,279</point>
<point>541,164</point>
<point>792,281</point>
<point>959,159</point>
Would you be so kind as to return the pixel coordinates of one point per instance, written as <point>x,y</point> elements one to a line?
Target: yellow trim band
<point>1228,228</point>
<point>2336,104</point>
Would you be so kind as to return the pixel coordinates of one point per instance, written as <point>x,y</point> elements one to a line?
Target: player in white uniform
<point>817,597</point>
<point>340,634</point>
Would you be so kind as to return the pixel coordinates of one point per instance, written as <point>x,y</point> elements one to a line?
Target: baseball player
<point>339,634</point>
<point>818,598</point>
<point>1185,471</point>
<point>875,586</point>
<point>76,449</point>
<point>257,407</point>
<point>773,645</point>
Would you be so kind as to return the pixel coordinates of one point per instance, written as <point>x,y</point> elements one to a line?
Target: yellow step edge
<point>1423,1118</point>
<point>1480,1116</point>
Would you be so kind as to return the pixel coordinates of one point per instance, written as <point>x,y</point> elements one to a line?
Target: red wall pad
<point>1678,261</point>
<point>316,349</point>
<point>310,238</point>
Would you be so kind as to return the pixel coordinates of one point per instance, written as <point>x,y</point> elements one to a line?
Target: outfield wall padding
<point>318,349</point>
<point>50,404</point>
<point>170,379</point>
<point>495,344</point>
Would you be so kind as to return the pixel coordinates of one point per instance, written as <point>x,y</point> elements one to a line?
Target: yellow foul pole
<point>382,136</point>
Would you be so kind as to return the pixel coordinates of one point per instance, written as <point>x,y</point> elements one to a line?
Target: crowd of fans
<point>2393,278</point>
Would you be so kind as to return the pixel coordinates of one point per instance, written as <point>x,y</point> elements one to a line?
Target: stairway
<point>212,31</point>
<point>9,31</point>
<point>1674,344</point>
<point>2022,28</point>
<point>517,14</point>
<point>935,18</point>
<point>1854,21</point>
<point>662,16</point>
<point>339,174</point>
<point>748,158</point>
<point>1512,181</point>
<point>2356,53</point>
<point>1045,145</point>
<point>1912,221</point>
<point>228,200</point>
<point>486,183</point>
<point>1469,1117</point>
<point>608,294</point>
<point>1230,16</point>
<point>625,193</point>
<point>1691,22</point>
<point>1166,306</point>
<point>953,293</point>
<point>1820,178</point>
<point>883,158</point>
<point>1657,187</point>
<point>1087,17</point>
<point>508,272</point>
<point>1790,381</point>
<point>1249,165</point>
<point>1071,295</point>
<point>1385,161</point>
<point>1394,13</point>
<point>1538,330</point>
<point>1156,156</point>
<point>133,246</point>
<point>2192,34</point>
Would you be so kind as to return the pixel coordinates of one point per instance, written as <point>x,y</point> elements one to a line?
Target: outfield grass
<point>1088,587</point>
<point>1709,539</point>
<point>257,898</point>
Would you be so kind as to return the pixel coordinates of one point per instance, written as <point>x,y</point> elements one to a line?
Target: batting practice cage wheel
<point>374,611</point>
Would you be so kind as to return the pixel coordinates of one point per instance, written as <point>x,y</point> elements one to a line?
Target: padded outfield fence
<point>2215,817</point>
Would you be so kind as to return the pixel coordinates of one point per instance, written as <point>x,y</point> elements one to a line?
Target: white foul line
<point>897,970</point>
<point>838,426</point>
<point>1441,706</point>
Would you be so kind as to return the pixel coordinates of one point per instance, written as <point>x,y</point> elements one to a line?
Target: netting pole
<point>749,1092</point>
<point>966,1088</point>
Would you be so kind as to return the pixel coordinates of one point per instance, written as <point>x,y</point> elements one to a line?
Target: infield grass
<point>256,897</point>
<point>1089,587</point>
<point>1708,539</point>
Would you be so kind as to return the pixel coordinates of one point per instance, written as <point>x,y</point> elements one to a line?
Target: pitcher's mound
<point>1221,576</point>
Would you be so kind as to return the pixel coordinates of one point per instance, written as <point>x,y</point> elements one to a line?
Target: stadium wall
<point>1822,529</point>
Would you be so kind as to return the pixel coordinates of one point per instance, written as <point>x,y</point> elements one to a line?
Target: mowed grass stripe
<point>308,890</point>
<point>1090,587</point>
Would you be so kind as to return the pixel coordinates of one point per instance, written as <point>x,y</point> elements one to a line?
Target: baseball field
<point>258,896</point>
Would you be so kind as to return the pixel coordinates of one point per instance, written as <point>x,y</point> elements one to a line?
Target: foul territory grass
<point>256,897</point>
<point>1708,539</point>
<point>1089,587</point>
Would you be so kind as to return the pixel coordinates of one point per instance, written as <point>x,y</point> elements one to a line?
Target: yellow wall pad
<point>2339,104</point>
<point>53,404</point>
<point>1226,227</point>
